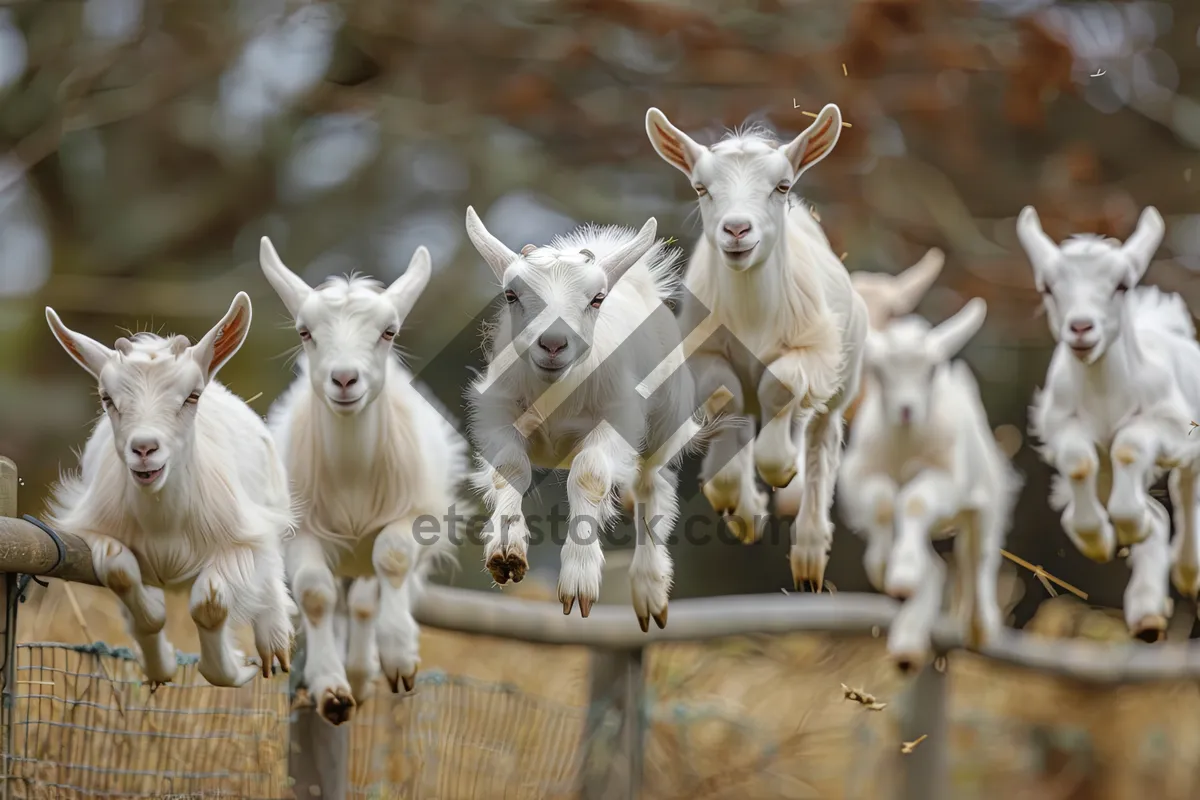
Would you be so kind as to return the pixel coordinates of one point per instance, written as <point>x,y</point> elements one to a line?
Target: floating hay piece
<point>862,698</point>
<point>1045,577</point>
<point>252,399</point>
<point>814,116</point>
<point>847,74</point>
<point>907,747</point>
<point>844,256</point>
<point>1194,426</point>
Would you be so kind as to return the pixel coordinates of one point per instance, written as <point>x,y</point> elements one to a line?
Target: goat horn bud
<point>527,249</point>
<point>589,254</point>
<point>123,346</point>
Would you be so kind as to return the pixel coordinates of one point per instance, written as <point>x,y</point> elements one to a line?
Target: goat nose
<point>906,414</point>
<point>344,378</point>
<point>737,229</point>
<point>1080,327</point>
<point>143,446</point>
<point>552,343</point>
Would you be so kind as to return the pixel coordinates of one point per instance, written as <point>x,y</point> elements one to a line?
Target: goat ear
<point>290,287</point>
<point>673,145</point>
<point>911,285</point>
<point>816,142</point>
<point>1040,248</point>
<point>1141,246</point>
<point>950,337</point>
<point>408,287</point>
<point>225,339</point>
<point>618,262</point>
<point>87,352</point>
<point>494,251</point>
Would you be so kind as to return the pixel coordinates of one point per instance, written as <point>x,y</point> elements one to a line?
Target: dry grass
<point>749,717</point>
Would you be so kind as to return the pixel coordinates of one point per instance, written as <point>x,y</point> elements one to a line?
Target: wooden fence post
<point>318,753</point>
<point>926,769</point>
<point>613,744</point>
<point>8,635</point>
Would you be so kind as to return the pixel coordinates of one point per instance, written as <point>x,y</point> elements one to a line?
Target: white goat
<point>922,460</point>
<point>585,325</point>
<point>1121,389</point>
<point>886,297</point>
<point>371,459</point>
<point>180,484</point>
<point>770,291</point>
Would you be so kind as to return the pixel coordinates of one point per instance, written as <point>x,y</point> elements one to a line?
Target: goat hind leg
<point>218,590</point>
<point>651,572</point>
<point>1185,547</point>
<point>274,633</point>
<point>1134,450</point>
<point>362,651</point>
<point>1148,604</point>
<point>396,632</point>
<point>812,529</point>
<point>315,589</point>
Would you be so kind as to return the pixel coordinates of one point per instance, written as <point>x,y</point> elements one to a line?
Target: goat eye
<point>1121,288</point>
<point>192,399</point>
<point>389,334</point>
<point>700,190</point>
<point>510,296</point>
<point>1046,290</point>
<point>783,188</point>
<point>107,402</point>
<point>305,336</point>
<point>597,300</point>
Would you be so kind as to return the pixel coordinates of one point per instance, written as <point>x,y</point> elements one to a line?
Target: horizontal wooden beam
<point>28,549</point>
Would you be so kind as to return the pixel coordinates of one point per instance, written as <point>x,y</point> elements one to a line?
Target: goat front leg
<point>316,591</point>
<point>144,607</point>
<point>1148,604</point>
<point>925,501</point>
<point>1185,547</point>
<point>909,642</point>
<point>727,471</point>
<point>362,652</point>
<point>218,592</point>
<point>776,454</point>
<point>504,477</point>
<point>1084,518</point>
<point>604,459</point>
<point>812,530</point>
<point>1135,449</point>
<point>870,503</point>
<point>396,632</point>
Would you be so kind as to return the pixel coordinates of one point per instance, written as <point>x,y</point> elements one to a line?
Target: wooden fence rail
<point>618,645</point>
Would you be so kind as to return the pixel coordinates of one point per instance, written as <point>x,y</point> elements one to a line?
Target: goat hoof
<point>409,681</point>
<point>336,706</point>
<point>660,619</point>
<point>568,604</point>
<point>644,623</point>
<point>585,606</point>
<point>507,566</point>
<point>1151,630</point>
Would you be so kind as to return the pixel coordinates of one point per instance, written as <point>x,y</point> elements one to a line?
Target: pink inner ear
<point>671,147</point>
<point>227,338</point>
<point>817,143</point>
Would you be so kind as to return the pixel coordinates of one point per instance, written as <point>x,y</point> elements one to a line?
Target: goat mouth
<point>345,404</point>
<point>1082,350</point>
<point>147,477</point>
<point>738,253</point>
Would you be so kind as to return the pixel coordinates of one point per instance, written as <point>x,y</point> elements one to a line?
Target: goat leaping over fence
<point>922,459</point>
<point>180,483</point>
<point>369,457</point>
<point>585,324</point>
<point>766,276</point>
<point>1121,390</point>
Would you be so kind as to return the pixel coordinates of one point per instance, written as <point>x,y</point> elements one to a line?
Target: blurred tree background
<point>150,143</point>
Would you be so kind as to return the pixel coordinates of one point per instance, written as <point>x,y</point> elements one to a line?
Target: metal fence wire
<point>84,726</point>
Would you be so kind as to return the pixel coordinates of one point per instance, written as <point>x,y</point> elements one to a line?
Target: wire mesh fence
<point>747,717</point>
